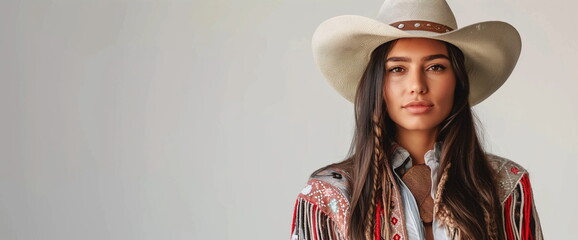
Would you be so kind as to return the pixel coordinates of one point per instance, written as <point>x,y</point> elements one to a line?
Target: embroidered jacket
<point>322,207</point>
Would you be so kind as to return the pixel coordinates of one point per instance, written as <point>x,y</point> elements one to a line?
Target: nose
<point>417,83</point>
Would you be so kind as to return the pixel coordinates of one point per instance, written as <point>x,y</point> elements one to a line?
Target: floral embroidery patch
<point>333,205</point>
<point>306,190</point>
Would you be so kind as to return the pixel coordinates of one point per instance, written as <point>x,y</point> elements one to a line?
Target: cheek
<point>393,99</point>
<point>391,92</point>
<point>450,88</point>
<point>446,93</point>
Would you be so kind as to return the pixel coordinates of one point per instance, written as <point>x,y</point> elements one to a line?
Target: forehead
<point>417,47</point>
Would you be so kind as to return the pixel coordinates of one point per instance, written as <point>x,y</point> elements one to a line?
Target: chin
<point>420,126</point>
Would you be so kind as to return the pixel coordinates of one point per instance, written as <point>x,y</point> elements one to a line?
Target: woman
<point>416,169</point>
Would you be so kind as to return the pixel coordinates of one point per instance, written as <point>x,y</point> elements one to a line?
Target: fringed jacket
<point>322,208</point>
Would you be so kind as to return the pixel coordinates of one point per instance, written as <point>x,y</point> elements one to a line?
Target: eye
<point>436,68</point>
<point>395,69</point>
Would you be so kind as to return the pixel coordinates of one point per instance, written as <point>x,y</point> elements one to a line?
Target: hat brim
<point>342,47</point>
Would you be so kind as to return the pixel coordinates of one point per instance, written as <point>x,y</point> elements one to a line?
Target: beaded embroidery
<point>322,206</point>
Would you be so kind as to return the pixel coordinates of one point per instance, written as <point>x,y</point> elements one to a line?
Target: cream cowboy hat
<point>342,45</point>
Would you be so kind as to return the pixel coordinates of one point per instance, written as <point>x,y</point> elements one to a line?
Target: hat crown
<point>437,11</point>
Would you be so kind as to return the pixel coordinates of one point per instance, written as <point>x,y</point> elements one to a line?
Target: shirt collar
<point>400,156</point>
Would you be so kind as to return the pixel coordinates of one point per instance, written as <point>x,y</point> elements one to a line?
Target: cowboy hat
<point>342,45</point>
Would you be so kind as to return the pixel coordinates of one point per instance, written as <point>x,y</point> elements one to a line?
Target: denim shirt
<point>401,160</point>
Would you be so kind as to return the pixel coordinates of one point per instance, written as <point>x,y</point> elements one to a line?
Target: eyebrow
<point>427,58</point>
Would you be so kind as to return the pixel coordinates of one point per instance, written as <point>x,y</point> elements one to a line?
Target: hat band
<point>421,26</point>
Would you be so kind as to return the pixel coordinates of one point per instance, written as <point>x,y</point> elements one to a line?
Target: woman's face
<point>419,84</point>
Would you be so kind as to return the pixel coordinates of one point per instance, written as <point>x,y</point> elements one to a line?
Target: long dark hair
<point>469,203</point>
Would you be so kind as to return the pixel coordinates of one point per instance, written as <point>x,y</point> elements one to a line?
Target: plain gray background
<point>126,119</point>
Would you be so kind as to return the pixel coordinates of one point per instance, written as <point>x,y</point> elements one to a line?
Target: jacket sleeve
<point>319,212</point>
<point>519,212</point>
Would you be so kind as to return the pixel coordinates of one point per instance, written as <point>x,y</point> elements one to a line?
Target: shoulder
<point>327,183</point>
<point>328,190</point>
<point>520,214</point>
<point>508,174</point>
<point>322,207</point>
<point>334,177</point>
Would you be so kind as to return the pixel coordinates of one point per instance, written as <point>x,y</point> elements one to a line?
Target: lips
<point>418,107</point>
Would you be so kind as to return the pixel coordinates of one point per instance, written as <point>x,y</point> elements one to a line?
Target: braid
<point>491,221</point>
<point>442,183</point>
<point>490,225</point>
<point>376,175</point>
<point>440,210</point>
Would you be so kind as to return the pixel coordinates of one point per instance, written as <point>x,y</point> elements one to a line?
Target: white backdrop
<point>168,119</point>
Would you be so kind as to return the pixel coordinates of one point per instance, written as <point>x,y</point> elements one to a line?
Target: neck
<point>417,143</point>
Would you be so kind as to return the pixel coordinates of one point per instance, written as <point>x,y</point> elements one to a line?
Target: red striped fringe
<point>314,218</point>
<point>527,231</point>
<point>294,215</point>
<point>507,219</point>
<point>377,229</point>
